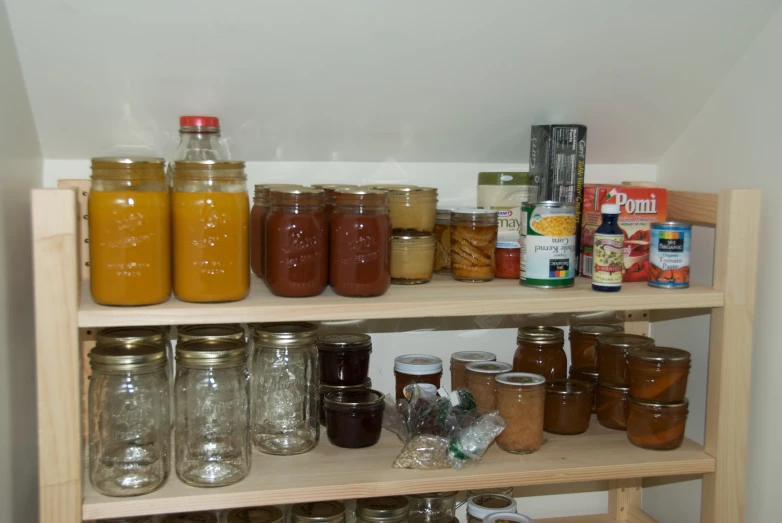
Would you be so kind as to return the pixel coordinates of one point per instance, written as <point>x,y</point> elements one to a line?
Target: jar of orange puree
<point>210,210</point>
<point>129,214</point>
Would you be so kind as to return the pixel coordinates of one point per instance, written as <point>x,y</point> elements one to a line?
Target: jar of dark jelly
<point>324,389</point>
<point>354,418</point>
<point>343,358</point>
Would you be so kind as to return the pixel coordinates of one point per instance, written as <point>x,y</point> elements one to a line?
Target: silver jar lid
<point>483,505</point>
<point>127,357</point>
<point>318,512</point>
<point>255,515</point>
<point>489,367</point>
<point>207,353</point>
<point>624,340</point>
<point>218,331</point>
<point>521,379</point>
<point>354,397</point>
<point>540,335</point>
<point>287,334</point>
<point>132,335</point>
<point>660,354</point>
<point>473,355</point>
<point>387,509</point>
<point>595,329</point>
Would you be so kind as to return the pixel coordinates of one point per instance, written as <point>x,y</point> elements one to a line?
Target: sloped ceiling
<point>436,80</point>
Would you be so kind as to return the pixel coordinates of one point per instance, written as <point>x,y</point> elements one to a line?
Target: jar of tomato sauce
<point>296,242</point>
<point>541,351</point>
<point>507,258</point>
<point>258,216</point>
<point>129,211</point>
<point>360,243</point>
<point>211,231</point>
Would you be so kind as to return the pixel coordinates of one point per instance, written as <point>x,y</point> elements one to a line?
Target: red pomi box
<point>640,207</point>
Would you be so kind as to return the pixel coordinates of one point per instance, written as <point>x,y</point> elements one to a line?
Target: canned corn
<point>548,244</point>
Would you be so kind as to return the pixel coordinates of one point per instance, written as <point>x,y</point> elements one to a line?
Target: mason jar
<point>435,507</point>
<point>154,335</point>
<point>386,509</point>
<point>129,425</point>
<point>284,388</point>
<point>318,512</point>
<point>473,242</point>
<point>212,412</point>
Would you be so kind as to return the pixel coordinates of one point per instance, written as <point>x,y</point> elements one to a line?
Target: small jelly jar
<point>583,339</point>
<point>541,351</point>
<point>343,358</point>
<point>417,368</point>
<point>459,361</point>
<point>324,389</point>
<point>612,352</point>
<point>481,382</point>
<point>434,507</point>
<point>568,406</point>
<point>354,418</point>
<point>656,426</point>
<point>590,376</point>
<point>659,374</point>
<point>612,406</point>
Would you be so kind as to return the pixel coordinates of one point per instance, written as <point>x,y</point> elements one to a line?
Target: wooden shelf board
<point>443,297</point>
<point>594,518</point>
<point>332,473</point>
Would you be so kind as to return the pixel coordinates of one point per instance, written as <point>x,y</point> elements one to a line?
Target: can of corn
<point>548,244</point>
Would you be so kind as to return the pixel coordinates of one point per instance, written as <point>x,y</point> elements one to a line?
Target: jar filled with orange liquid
<point>210,210</point>
<point>130,232</point>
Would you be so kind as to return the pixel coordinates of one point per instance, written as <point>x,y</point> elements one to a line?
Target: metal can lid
<point>483,505</point>
<point>595,329</point>
<point>132,335</point>
<point>211,352</point>
<point>190,517</point>
<point>126,356</point>
<point>344,341</point>
<point>521,379</point>
<point>286,333</point>
<point>671,225</point>
<point>568,386</point>
<point>354,398</point>
<point>219,331</point>
<point>325,389</point>
<point>255,515</point>
<point>551,204</point>
<point>473,355</point>
<point>489,367</point>
<point>651,404</point>
<point>540,334</point>
<point>386,509</point>
<point>418,364</point>
<point>624,340</point>
<point>660,354</point>
<point>318,512</point>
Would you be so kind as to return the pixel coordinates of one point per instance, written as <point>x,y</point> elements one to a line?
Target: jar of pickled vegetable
<point>459,361</point>
<point>612,406</point>
<point>211,215</point>
<point>521,401</point>
<point>442,235</point>
<point>659,374</point>
<point>473,241</point>
<point>590,376</point>
<point>541,350</point>
<point>656,426</point>
<point>416,368</point>
<point>583,339</point>
<point>612,350</point>
<point>129,211</point>
<point>481,376</point>
<point>568,406</point>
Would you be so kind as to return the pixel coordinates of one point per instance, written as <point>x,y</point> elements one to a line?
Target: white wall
<point>20,170</point>
<point>736,141</point>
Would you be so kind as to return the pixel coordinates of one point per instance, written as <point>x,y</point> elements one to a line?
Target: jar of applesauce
<point>412,208</point>
<point>211,214</point>
<point>656,426</point>
<point>590,376</point>
<point>459,361</point>
<point>568,406</point>
<point>612,352</point>
<point>612,406</point>
<point>481,377</point>
<point>521,400</point>
<point>412,257</point>
<point>658,374</point>
<point>473,241</point>
<point>129,212</point>
<point>541,350</point>
<point>583,340</point>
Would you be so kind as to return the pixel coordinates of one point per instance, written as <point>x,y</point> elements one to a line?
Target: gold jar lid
<point>318,512</point>
<point>190,517</point>
<point>218,331</point>
<point>262,190</point>
<point>391,186</point>
<point>622,340</point>
<point>119,162</point>
<point>208,353</point>
<point>359,196</point>
<point>324,389</point>
<point>540,335</point>
<point>332,185</point>
<point>354,398</point>
<point>412,189</point>
<point>654,405</point>
<point>387,509</point>
<point>127,356</point>
<point>132,335</point>
<point>568,386</point>
<point>473,355</point>
<point>127,168</point>
<point>344,341</point>
<point>285,334</point>
<point>255,515</point>
<point>660,354</point>
<point>489,367</point>
<point>595,329</point>
<point>520,379</point>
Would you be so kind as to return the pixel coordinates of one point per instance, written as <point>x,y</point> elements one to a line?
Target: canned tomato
<point>548,244</point>
<point>669,255</point>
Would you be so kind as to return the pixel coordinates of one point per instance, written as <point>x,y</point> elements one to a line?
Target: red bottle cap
<point>199,121</point>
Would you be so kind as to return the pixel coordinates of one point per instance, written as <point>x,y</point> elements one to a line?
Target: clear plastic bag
<point>424,451</point>
<point>470,443</point>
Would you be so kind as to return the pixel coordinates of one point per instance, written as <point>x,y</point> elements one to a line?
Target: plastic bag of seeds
<point>424,451</point>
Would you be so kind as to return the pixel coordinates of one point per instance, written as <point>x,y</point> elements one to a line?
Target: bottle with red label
<point>608,251</point>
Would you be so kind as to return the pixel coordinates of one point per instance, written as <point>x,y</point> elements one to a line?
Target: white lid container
<point>507,517</point>
<point>418,364</point>
<point>484,505</point>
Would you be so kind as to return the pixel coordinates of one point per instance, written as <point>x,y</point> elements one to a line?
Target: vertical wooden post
<point>57,355</point>
<point>730,355</point>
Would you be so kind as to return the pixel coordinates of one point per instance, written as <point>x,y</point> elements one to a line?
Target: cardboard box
<point>640,207</point>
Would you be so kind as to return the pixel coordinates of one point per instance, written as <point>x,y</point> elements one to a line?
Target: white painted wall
<point>736,141</point>
<point>20,170</point>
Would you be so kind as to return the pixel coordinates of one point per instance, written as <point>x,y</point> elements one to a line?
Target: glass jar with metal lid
<point>478,507</point>
<point>658,374</point>
<point>442,236</point>
<point>412,257</point>
<point>343,358</point>
<point>387,509</point>
<point>255,515</point>
<point>459,361</point>
<point>612,406</point>
<point>129,212</point>
<point>153,334</point>
<point>656,426</point>
<point>354,418</point>
<point>212,412</point>
<point>612,350</point>
<point>590,376</point>
<point>216,331</point>
<point>568,406</point>
<point>324,389</point>
<point>473,241</point>
<point>541,350</point>
<point>481,376</point>
<point>318,512</point>
<point>416,368</point>
<point>434,507</point>
<point>521,401</point>
<point>211,215</point>
<point>412,207</point>
<point>329,193</point>
<point>583,339</point>
<point>129,423</point>
<point>284,388</point>
<point>258,216</point>
<point>190,517</point>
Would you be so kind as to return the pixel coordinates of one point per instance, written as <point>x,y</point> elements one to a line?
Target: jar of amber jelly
<point>541,350</point>
<point>481,376</point>
<point>473,241</point>
<point>656,426</point>
<point>568,406</point>
<point>416,368</point>
<point>583,354</point>
<point>659,374</point>
<point>612,352</point>
<point>590,376</point>
<point>459,362</point>
<point>612,406</point>
<point>521,400</point>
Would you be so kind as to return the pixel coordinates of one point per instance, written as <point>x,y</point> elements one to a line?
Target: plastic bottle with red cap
<point>199,140</point>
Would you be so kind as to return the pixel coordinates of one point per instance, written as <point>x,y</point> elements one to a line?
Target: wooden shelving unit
<point>65,314</point>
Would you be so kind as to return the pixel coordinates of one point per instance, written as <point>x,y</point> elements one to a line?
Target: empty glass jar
<point>129,421</point>
<point>435,507</point>
<point>212,412</point>
<point>285,388</point>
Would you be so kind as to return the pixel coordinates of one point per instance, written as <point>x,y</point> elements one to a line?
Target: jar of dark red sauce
<point>360,250</point>
<point>296,242</point>
<point>354,418</point>
<point>329,190</point>
<point>343,358</point>
<point>258,216</point>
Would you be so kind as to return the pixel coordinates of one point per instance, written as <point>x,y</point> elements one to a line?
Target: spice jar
<point>190,517</point>
<point>612,406</point>
<point>318,512</point>
<point>612,352</point>
<point>521,400</point>
<point>568,406</point>
<point>442,236</point>
<point>296,243</point>
<point>658,374</point>
<point>354,418</point>
<point>473,240</point>
<point>129,425</point>
<point>258,216</point>
<point>284,388</point>
<point>541,351</point>
<point>481,382</point>
<point>343,358</point>
<point>459,361</point>
<point>360,243</point>
<point>416,368</point>
<point>478,507</point>
<point>212,412</point>
<point>412,208</point>
<point>412,257</point>
<point>324,389</point>
<point>255,515</point>
<point>210,214</point>
<point>656,426</point>
<point>387,509</point>
<point>435,507</point>
<point>129,211</point>
<point>583,339</point>
<point>590,376</point>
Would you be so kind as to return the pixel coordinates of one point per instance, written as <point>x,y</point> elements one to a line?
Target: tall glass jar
<point>199,140</point>
<point>387,509</point>
<point>442,236</point>
<point>285,388</point>
<point>360,243</point>
<point>212,413</point>
<point>258,216</point>
<point>583,341</point>
<point>541,350</point>
<point>129,423</point>
<point>129,211</point>
<point>435,507</point>
<point>521,400</point>
<point>211,219</point>
<point>296,242</point>
<point>473,241</point>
